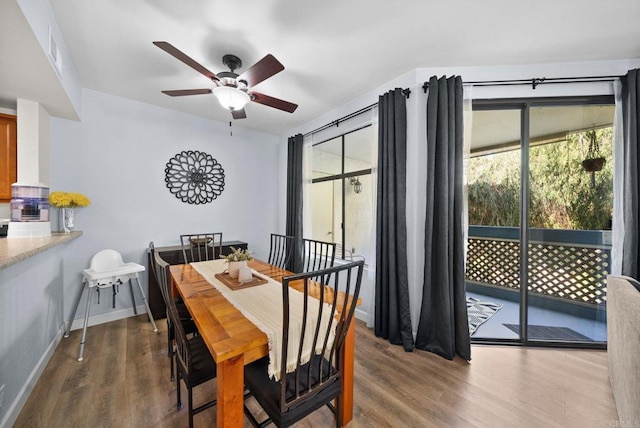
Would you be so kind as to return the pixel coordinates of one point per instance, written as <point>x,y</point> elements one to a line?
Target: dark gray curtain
<point>392,314</point>
<point>443,326</point>
<point>631,182</point>
<point>294,200</point>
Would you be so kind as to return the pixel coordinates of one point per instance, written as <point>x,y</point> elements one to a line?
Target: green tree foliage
<point>561,192</point>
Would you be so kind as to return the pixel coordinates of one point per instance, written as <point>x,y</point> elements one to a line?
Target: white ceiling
<point>501,128</point>
<point>25,71</point>
<point>332,50</point>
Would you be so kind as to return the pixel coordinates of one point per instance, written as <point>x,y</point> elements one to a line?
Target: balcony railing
<point>570,265</point>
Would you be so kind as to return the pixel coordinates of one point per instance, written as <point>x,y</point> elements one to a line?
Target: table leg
<point>347,378</point>
<point>230,391</point>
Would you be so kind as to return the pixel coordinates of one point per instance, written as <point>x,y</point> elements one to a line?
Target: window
<point>342,191</point>
<point>8,157</point>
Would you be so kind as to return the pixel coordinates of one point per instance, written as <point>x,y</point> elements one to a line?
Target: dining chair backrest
<point>200,247</point>
<point>281,251</point>
<point>161,271</point>
<point>308,380</point>
<point>318,255</point>
<point>152,259</point>
<point>183,354</point>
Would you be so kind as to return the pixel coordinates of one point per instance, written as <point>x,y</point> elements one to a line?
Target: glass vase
<point>234,268</point>
<point>67,219</point>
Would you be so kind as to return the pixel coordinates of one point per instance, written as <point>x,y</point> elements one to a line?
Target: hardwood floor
<point>124,382</point>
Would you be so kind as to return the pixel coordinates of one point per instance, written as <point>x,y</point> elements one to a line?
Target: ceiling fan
<point>233,91</point>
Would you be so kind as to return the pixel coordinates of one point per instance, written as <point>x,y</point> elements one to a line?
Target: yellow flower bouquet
<point>68,200</point>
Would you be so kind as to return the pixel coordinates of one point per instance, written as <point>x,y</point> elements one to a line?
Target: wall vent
<point>54,53</point>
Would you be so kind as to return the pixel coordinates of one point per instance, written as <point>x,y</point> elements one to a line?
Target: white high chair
<point>107,270</point>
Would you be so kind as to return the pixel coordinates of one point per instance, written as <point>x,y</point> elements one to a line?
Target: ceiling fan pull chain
<point>230,129</point>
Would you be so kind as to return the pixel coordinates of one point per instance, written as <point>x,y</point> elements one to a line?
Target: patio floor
<point>494,328</point>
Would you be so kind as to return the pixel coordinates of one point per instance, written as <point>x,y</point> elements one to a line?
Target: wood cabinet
<point>173,255</point>
<point>8,155</point>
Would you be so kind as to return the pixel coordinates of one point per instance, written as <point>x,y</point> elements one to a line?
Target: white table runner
<point>262,305</point>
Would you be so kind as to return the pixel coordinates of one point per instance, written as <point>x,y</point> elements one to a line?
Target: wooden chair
<point>317,382</point>
<point>160,271</point>
<point>199,247</point>
<point>281,251</point>
<point>318,255</point>
<point>194,362</point>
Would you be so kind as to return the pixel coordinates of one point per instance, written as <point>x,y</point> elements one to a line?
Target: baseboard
<point>107,317</point>
<point>14,410</point>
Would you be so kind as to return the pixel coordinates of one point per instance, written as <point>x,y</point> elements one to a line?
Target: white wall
<point>31,316</point>
<point>41,20</point>
<point>117,155</point>
<point>416,138</point>
<point>33,153</point>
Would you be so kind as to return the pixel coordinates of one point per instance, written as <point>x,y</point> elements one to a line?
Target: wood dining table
<point>234,341</point>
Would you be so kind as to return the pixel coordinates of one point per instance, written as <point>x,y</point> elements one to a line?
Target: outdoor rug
<point>479,312</point>
<point>543,332</point>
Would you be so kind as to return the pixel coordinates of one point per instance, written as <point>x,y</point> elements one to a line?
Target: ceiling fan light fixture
<point>231,98</point>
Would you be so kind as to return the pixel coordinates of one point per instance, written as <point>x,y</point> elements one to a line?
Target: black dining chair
<point>315,383</point>
<point>194,362</point>
<point>160,271</point>
<point>281,251</point>
<point>318,255</point>
<point>199,247</point>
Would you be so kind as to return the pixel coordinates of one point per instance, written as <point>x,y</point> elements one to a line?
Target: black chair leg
<point>170,350</point>
<point>172,358</point>
<point>169,347</point>
<point>179,402</point>
<point>190,394</point>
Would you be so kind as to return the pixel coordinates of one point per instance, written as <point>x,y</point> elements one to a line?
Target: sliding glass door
<point>493,255</point>
<point>569,227</point>
<point>540,206</point>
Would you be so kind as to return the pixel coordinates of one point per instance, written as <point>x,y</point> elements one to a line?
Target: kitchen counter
<point>15,250</point>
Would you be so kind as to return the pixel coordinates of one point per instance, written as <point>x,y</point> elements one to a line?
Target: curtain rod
<point>534,82</point>
<point>336,123</point>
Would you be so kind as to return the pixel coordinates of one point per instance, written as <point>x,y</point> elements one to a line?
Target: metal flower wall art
<point>194,177</point>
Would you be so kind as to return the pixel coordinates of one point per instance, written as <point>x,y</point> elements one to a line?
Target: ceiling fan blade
<point>259,98</point>
<point>182,92</point>
<point>239,114</point>
<point>175,52</point>
<point>261,70</point>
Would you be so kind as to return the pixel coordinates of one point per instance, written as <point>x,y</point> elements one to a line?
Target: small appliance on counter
<point>4,226</point>
<point>29,208</point>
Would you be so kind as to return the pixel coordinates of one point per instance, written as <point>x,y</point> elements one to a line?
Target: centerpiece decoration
<point>237,259</point>
<point>68,202</point>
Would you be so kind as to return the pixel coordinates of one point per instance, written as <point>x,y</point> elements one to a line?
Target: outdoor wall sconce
<point>357,186</point>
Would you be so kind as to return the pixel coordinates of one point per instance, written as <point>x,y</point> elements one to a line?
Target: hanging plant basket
<point>593,165</point>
